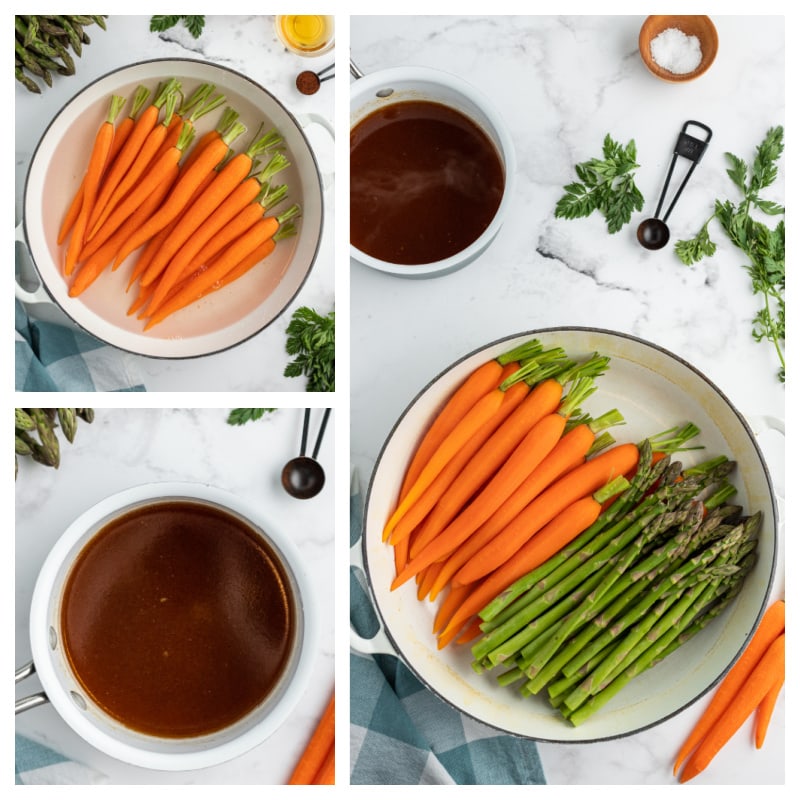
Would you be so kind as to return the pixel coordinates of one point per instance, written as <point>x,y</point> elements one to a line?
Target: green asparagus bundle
<point>657,566</point>
<point>35,432</point>
<point>44,45</point>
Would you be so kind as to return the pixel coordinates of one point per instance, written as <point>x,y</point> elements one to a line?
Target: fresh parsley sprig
<point>163,22</point>
<point>765,247</point>
<point>606,185</point>
<point>240,416</point>
<point>311,339</point>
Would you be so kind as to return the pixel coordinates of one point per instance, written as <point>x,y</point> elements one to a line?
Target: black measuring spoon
<point>303,476</point>
<point>653,233</point>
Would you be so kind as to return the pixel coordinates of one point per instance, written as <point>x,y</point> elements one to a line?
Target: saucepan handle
<point>764,423</point>
<point>379,644</point>
<point>38,295</point>
<point>32,700</point>
<point>317,119</point>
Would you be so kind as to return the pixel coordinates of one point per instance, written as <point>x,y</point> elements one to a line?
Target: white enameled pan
<point>655,391</point>
<point>222,319</point>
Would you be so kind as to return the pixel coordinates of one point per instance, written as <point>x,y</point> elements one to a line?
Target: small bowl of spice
<point>678,48</point>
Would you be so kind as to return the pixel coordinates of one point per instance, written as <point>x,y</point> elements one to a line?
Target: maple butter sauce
<point>177,619</point>
<point>425,182</point>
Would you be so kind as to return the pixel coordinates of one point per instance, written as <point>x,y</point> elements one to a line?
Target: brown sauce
<point>177,619</point>
<point>425,182</point>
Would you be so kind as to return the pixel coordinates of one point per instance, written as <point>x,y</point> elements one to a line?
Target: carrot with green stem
<point>577,483</point>
<point>146,121</point>
<point>479,381</point>
<point>262,231</point>
<point>91,269</point>
<point>194,216</point>
<point>549,378</point>
<point>253,189</point>
<point>182,192</point>
<point>571,451</point>
<point>228,117</point>
<point>415,519</point>
<point>91,181</point>
<point>121,134</point>
<point>752,692</point>
<point>771,626</point>
<point>542,473</point>
<point>506,472</point>
<point>139,194</point>
<point>148,151</point>
<point>197,105</point>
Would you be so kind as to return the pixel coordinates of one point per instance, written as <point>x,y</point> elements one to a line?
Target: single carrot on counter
<point>318,747</point>
<point>765,709</point>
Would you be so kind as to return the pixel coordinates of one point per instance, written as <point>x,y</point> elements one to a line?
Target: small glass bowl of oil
<point>305,34</point>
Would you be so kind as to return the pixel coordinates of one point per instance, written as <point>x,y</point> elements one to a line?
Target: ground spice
<point>676,52</point>
<point>307,82</point>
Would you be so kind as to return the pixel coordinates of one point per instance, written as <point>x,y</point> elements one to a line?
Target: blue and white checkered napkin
<point>401,733</point>
<point>36,763</point>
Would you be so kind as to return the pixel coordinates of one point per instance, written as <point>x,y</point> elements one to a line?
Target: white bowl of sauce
<point>432,168</point>
<point>172,627</point>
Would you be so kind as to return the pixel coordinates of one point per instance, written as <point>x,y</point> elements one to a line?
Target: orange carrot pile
<point>752,685</point>
<point>186,215</point>
<point>316,764</point>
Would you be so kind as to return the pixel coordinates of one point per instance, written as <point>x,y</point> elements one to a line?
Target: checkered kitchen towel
<point>36,763</point>
<point>400,733</point>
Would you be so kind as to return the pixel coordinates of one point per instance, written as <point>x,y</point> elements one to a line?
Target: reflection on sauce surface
<point>177,619</point>
<point>425,182</point>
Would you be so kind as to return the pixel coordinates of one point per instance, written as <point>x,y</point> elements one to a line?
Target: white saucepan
<point>654,390</point>
<point>377,90</point>
<point>222,319</point>
<point>89,721</point>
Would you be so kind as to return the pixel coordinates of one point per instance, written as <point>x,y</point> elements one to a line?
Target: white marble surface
<point>247,44</point>
<point>129,447</point>
<point>562,83</point>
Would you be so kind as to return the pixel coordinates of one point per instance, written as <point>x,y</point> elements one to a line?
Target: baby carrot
<point>316,750</point>
<point>91,180</point>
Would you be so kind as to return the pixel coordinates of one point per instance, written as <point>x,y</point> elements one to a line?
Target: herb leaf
<point>606,185</point>
<point>163,22</point>
<point>311,339</point>
<point>239,416</point>
<point>764,247</point>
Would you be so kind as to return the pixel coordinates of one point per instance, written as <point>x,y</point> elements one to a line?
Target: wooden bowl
<point>692,25</point>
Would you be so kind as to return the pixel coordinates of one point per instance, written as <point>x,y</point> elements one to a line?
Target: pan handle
<point>38,295</point>
<point>379,644</point>
<point>317,119</point>
<point>32,700</point>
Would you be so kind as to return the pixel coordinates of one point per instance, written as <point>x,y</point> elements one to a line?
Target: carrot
<point>529,453</point>
<point>147,120</point>
<point>583,480</point>
<point>756,686</point>
<point>142,191</point>
<point>426,578</point>
<point>467,426</point>
<point>197,105</point>
<point>151,146</point>
<point>181,194</point>
<point>569,453</point>
<point>455,597</point>
<point>524,458</point>
<point>771,626</point>
<point>327,771</point>
<point>177,255</point>
<point>765,709</point>
<point>227,118</point>
<point>470,632</point>
<point>91,181</point>
<point>317,748</point>
<point>93,266</point>
<point>121,134</point>
<point>195,287</point>
<point>418,512</point>
<point>197,211</point>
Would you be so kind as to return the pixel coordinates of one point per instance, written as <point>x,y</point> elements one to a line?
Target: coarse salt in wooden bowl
<point>673,58</point>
